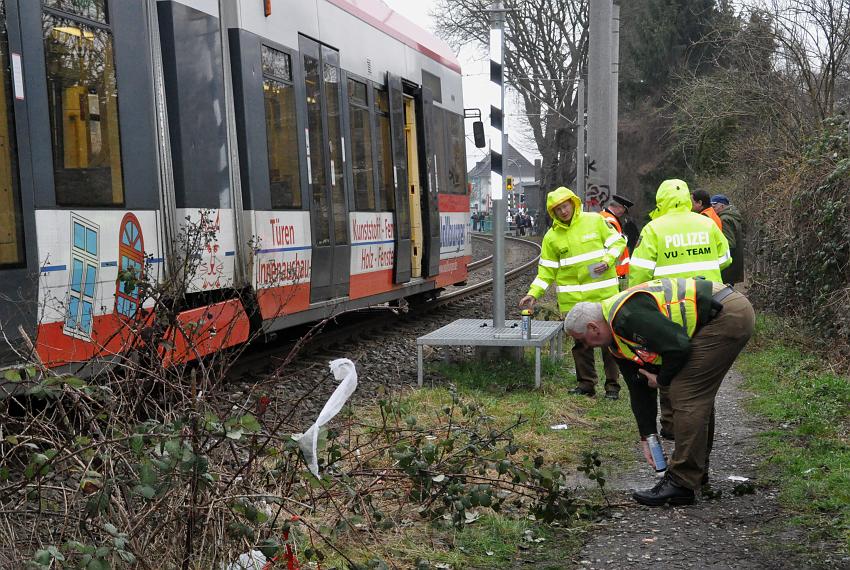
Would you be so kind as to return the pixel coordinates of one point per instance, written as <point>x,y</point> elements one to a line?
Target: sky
<point>476,77</point>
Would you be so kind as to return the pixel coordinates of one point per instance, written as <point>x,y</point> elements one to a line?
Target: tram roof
<point>383,18</point>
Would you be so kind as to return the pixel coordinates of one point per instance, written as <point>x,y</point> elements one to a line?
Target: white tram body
<point>317,144</point>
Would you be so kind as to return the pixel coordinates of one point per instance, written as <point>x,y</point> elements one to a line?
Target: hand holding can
<point>657,453</point>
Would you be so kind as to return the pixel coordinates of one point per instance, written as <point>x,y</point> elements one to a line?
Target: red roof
<point>379,15</point>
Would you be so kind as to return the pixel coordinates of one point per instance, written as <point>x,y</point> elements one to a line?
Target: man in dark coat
<point>619,206</point>
<point>733,229</point>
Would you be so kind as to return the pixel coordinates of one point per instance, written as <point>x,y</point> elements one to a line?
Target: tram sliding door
<point>330,265</point>
<point>427,171</point>
<point>402,202</point>
<point>18,257</point>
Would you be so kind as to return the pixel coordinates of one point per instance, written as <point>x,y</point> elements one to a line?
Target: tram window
<point>382,101</point>
<point>333,93</point>
<point>94,10</point>
<point>361,147</point>
<point>439,160</point>
<point>433,83</point>
<point>457,154</point>
<point>315,151</point>
<point>276,64</point>
<point>11,223</point>
<point>386,180</point>
<point>281,130</point>
<point>83,109</point>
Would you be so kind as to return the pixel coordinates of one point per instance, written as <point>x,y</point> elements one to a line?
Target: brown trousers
<point>586,368</point>
<point>692,391</point>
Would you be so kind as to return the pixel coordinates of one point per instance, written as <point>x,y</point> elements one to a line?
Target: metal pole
<point>498,145</point>
<point>598,103</point>
<point>581,153</point>
<point>615,92</point>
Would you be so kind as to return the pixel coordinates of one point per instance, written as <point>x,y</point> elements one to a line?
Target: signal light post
<point>498,145</point>
<point>495,334</point>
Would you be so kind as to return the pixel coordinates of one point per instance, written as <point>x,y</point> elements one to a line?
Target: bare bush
<point>156,462</point>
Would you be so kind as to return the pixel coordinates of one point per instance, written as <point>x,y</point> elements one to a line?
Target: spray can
<point>526,324</point>
<point>657,453</point>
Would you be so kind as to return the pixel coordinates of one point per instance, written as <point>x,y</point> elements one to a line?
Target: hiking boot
<point>665,491</point>
<point>612,394</point>
<point>579,391</point>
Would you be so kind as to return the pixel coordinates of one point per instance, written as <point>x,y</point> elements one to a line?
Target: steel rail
<point>513,273</point>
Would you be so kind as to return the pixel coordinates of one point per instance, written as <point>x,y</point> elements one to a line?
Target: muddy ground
<point>730,532</point>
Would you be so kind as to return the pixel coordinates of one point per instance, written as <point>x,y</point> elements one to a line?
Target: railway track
<point>339,333</point>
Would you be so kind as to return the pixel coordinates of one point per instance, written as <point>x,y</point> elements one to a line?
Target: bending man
<point>681,333</point>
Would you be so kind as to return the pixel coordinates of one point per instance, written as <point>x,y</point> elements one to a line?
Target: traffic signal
<point>509,181</point>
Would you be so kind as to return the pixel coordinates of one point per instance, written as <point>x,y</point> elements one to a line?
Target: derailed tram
<point>320,143</point>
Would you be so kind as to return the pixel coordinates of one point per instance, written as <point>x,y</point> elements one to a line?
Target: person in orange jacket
<point>701,202</point>
<point>613,212</point>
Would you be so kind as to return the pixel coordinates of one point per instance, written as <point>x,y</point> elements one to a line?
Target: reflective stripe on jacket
<point>676,299</point>
<point>623,260</point>
<point>678,242</point>
<point>568,251</point>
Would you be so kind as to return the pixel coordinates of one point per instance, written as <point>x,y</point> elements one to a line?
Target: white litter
<point>738,478</point>
<point>342,369</point>
<point>254,560</point>
<point>560,426</point>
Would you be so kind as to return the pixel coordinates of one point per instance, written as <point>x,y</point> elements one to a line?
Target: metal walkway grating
<point>480,332</point>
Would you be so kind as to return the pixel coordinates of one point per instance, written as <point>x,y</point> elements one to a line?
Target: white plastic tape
<point>342,369</point>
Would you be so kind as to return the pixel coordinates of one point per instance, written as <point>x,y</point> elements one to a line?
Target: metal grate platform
<point>480,332</point>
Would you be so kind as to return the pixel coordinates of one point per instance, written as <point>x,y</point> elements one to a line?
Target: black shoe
<point>665,491</point>
<point>668,435</point>
<point>612,394</point>
<point>579,391</point>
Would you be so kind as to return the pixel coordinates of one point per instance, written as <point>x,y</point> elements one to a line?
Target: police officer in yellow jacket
<point>677,243</point>
<point>579,256</point>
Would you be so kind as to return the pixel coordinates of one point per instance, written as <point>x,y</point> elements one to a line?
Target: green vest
<point>680,244</point>
<point>676,299</point>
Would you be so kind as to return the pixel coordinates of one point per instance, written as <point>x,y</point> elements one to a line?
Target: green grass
<point>506,391</point>
<point>807,451</point>
<point>490,542</point>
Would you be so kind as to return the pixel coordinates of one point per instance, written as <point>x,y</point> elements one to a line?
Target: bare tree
<point>814,46</point>
<point>546,51</point>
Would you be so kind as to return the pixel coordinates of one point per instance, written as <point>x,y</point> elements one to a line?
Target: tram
<point>319,143</point>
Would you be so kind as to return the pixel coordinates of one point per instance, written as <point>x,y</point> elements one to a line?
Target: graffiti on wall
<point>597,196</point>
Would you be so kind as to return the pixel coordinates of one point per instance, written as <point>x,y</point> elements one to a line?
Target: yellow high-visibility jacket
<point>678,242</point>
<point>570,248</point>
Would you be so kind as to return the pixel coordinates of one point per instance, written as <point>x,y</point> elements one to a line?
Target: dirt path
<point>735,532</point>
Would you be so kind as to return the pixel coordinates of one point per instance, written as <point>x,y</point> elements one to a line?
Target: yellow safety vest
<point>676,299</point>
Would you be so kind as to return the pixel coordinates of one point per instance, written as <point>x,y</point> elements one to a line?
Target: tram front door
<point>18,257</point>
<point>328,207</point>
